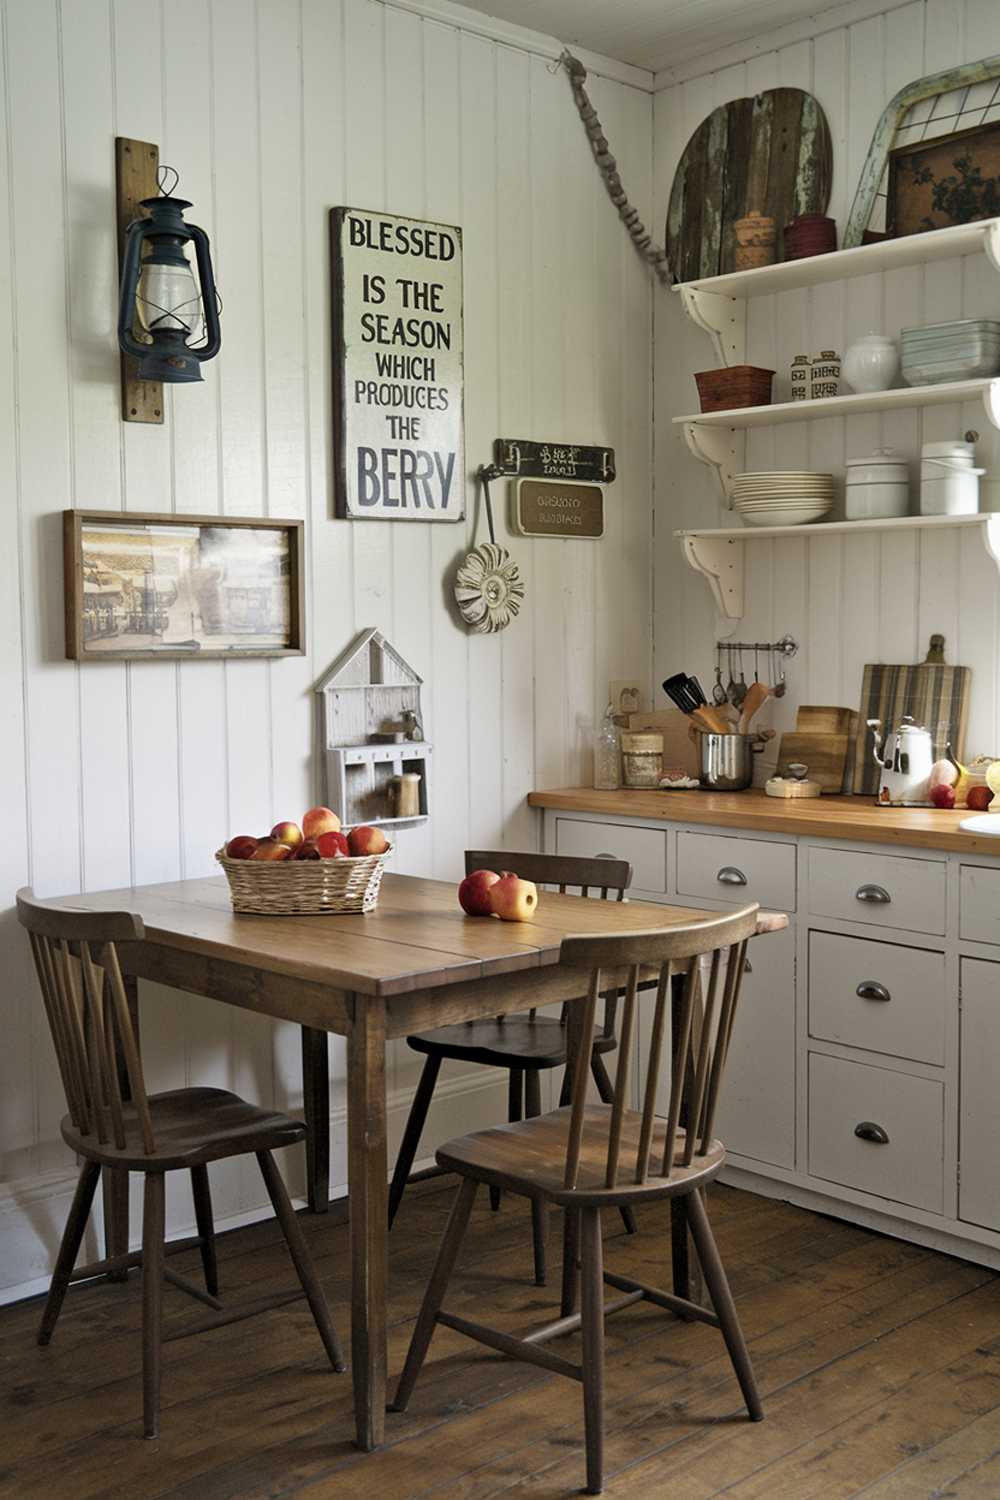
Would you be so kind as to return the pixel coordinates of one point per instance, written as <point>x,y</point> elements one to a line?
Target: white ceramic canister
<point>871,363</point>
<point>949,480</point>
<point>878,486</point>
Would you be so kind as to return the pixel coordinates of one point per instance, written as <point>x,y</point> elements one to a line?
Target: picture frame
<point>143,586</point>
<point>949,179</point>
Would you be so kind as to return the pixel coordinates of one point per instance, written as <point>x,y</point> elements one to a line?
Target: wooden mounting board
<point>136,165</point>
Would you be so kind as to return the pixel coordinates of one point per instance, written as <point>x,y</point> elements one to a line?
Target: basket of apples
<point>315,867</point>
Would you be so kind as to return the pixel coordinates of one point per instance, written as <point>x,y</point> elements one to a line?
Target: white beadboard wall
<point>273,111</point>
<point>848,599</point>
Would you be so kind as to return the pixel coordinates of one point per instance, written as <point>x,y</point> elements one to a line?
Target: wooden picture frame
<point>165,590</point>
<point>910,208</point>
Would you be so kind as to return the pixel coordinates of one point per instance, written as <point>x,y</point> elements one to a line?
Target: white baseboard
<point>34,1209</point>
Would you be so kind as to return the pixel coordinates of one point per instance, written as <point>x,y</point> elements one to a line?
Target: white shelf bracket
<point>721,448</point>
<point>723,318</point>
<point>991,400</point>
<point>991,245</point>
<point>991,537</point>
<point>720,560</point>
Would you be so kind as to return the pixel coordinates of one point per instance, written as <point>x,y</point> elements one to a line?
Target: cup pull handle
<point>867,1130</point>
<point>730,875</point>
<point>605,856</point>
<point>870,989</point>
<point>747,966</point>
<point>877,894</point>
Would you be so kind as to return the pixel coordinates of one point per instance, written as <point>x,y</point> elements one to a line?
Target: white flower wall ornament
<point>488,586</point>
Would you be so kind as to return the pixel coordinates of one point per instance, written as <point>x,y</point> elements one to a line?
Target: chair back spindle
<point>83,992</point>
<point>704,1026</point>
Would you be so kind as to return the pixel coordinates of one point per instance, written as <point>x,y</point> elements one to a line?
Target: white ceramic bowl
<point>790,516</point>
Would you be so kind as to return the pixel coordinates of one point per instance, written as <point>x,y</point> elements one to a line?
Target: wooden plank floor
<point>879,1364</point>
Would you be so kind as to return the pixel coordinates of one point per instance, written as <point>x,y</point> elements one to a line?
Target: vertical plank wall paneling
<point>272,113</point>
<point>848,599</point>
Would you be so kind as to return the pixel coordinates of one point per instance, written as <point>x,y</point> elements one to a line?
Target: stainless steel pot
<point>725,761</point>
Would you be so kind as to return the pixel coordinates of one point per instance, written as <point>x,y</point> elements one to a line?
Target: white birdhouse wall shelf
<point>374,753</point>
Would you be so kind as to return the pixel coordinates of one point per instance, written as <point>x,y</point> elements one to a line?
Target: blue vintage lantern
<point>179,315</point>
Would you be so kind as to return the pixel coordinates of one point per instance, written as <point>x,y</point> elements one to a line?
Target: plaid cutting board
<point>933,695</point>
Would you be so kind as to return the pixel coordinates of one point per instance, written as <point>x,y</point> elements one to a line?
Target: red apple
<point>979,798</point>
<point>287,833</point>
<point>241,847</point>
<point>942,795</point>
<point>513,899</point>
<point>365,840</point>
<point>320,820</point>
<point>473,893</point>
<point>307,850</point>
<point>271,849</point>
<point>332,845</point>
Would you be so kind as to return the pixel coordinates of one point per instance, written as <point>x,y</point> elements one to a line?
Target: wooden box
<point>739,385</point>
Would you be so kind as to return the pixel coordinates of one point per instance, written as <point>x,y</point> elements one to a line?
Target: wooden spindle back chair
<point>117,1127</point>
<point>525,1044</point>
<point>584,1156</point>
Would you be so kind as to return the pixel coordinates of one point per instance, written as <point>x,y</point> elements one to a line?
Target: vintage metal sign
<point>530,460</point>
<point>552,507</point>
<point>397,367</point>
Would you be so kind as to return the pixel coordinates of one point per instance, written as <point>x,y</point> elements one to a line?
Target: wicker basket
<point>739,385</point>
<point>284,888</point>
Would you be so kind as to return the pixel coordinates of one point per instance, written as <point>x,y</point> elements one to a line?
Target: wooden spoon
<point>757,695</point>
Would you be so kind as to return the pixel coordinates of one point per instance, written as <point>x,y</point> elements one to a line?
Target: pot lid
<point>880,456</point>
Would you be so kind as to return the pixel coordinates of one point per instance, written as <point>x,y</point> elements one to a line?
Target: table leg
<point>114,1184</point>
<point>316,1107</point>
<point>367,1185</point>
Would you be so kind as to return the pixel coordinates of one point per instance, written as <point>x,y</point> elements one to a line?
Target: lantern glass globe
<point>168,298</point>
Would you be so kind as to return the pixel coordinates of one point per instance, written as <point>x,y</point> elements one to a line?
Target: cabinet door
<point>756,1115</point>
<point>979,1124</point>
<point>757,1108</point>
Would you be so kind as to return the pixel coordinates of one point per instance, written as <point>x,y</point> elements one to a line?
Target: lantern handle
<point>210,300</point>
<point>162,173</point>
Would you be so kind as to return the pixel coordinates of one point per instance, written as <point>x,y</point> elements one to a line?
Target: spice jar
<point>642,759</point>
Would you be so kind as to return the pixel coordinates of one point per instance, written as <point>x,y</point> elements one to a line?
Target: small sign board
<point>397,367</point>
<point>553,507</point>
<point>525,459</point>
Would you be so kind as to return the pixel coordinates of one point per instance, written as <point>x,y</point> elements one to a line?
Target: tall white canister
<point>949,479</point>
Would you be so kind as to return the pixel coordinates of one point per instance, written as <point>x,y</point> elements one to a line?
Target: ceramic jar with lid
<point>878,486</point>
<point>871,364</point>
<point>949,479</point>
<point>642,759</point>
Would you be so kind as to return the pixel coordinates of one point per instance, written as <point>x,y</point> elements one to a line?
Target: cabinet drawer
<point>727,868</point>
<point>644,848</point>
<point>878,996</point>
<point>979,904</point>
<point>909,1166</point>
<point>887,890</point>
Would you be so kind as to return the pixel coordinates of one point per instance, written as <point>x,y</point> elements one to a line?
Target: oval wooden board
<point>771,154</point>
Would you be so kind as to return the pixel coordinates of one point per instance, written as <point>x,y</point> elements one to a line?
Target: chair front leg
<point>415,1122</point>
<point>302,1260</point>
<point>722,1300</point>
<point>436,1288</point>
<point>592,1330</point>
<point>69,1247</point>
<point>153,1261</point>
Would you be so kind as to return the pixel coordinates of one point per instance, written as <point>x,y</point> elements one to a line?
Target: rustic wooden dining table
<point>415,963</point>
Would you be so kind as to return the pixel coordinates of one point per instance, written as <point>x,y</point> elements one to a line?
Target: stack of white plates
<point>788,497</point>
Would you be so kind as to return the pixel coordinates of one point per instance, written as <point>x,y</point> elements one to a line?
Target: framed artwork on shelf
<point>172,586</point>
<point>954,179</point>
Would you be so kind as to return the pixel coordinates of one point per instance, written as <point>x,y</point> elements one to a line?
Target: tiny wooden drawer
<point>879,996</point>
<point>878,1131</point>
<point>979,903</point>
<point>644,848</point>
<point>726,868</point>
<point>887,890</point>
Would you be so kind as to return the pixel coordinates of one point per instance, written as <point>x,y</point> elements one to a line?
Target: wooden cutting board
<point>812,719</point>
<point>770,154</point>
<point>824,754</point>
<point>934,695</point>
<point>678,748</point>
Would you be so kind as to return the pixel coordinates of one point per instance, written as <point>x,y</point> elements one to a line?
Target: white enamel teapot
<point>905,760</point>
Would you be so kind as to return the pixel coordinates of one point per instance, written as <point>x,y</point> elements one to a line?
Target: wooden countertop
<point>855,818</point>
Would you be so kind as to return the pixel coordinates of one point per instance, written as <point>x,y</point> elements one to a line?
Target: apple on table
<point>484,893</point>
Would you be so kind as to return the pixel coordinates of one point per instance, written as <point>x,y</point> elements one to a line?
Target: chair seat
<point>190,1127</point>
<point>516,1041</point>
<point>529,1157</point>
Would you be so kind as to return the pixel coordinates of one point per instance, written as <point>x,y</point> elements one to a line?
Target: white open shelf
<point>863,260</point>
<point>718,554</point>
<point>988,391</point>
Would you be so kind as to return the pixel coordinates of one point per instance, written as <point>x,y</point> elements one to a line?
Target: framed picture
<point>398,426</point>
<point>176,586</point>
<point>954,179</point>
